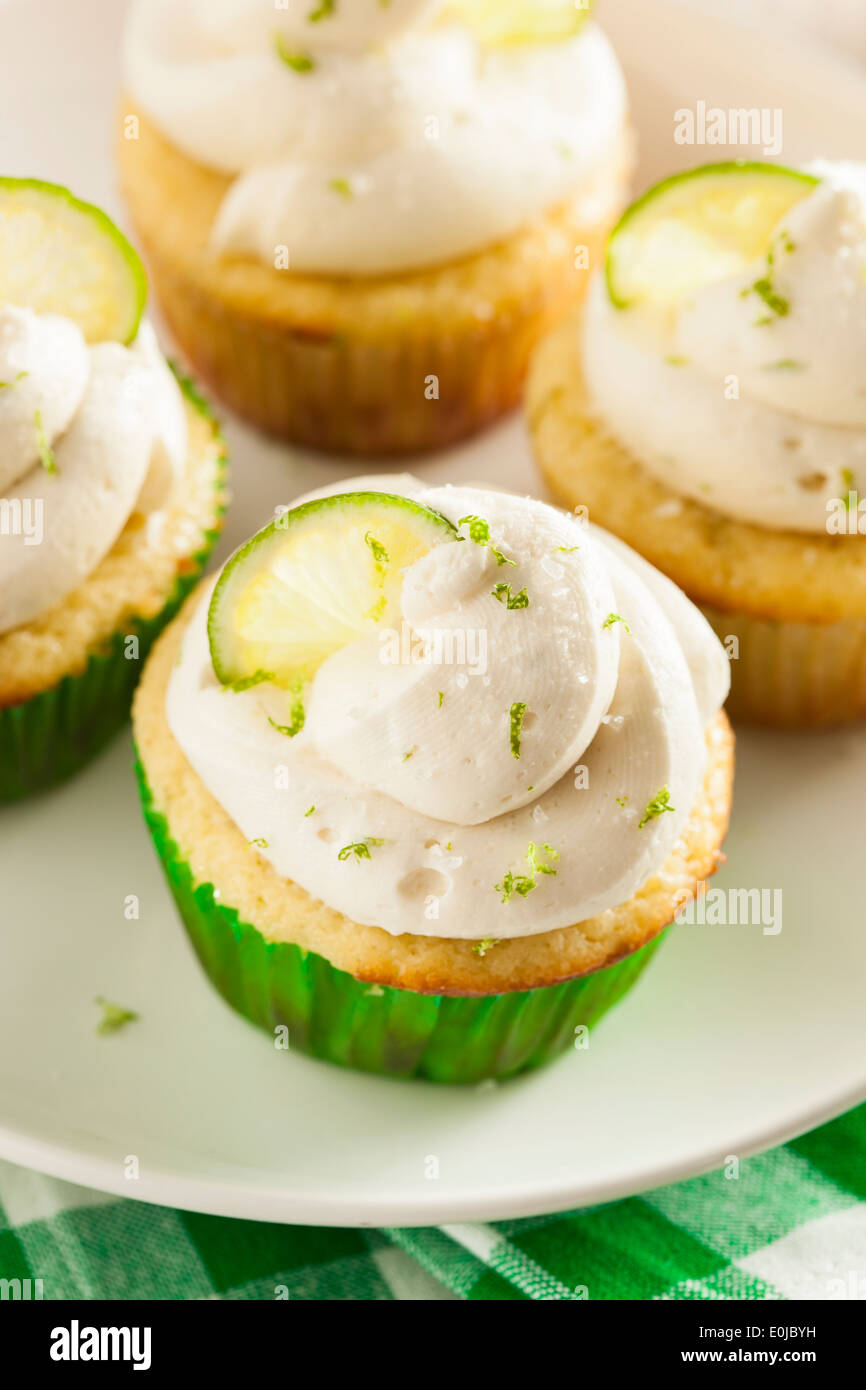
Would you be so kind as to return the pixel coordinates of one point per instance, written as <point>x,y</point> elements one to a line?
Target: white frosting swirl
<point>613,715</point>
<point>758,414</point>
<point>404,143</point>
<point>88,435</point>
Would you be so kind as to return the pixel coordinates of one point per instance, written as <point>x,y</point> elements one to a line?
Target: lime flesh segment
<point>315,579</point>
<point>695,228</point>
<point>502,22</point>
<point>59,255</point>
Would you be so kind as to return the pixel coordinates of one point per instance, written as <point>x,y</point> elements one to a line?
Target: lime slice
<point>698,227</point>
<point>501,22</point>
<point>315,579</point>
<point>61,256</point>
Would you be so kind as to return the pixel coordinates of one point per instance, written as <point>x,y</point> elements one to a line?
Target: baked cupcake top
<point>364,138</point>
<point>448,711</point>
<point>725,347</point>
<point>92,428</point>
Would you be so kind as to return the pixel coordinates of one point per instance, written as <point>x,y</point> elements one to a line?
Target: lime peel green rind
<point>122,321</point>
<point>52,736</point>
<point>655,196</point>
<point>459,1040</point>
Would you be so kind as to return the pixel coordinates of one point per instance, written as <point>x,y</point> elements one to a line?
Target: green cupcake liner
<point>50,737</point>
<point>376,1028</point>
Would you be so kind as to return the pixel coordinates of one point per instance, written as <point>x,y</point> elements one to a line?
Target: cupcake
<point>429,771</point>
<point>708,406</point>
<point>360,218</point>
<point>111,484</point>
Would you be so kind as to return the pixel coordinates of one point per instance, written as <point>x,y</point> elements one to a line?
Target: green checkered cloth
<point>789,1224</point>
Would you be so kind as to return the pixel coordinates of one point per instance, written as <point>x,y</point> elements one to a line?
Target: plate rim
<point>219,1197</point>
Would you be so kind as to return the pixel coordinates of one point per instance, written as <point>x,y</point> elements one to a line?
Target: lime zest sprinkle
<point>46,453</point>
<point>848,484</point>
<point>764,288</point>
<point>257,844</point>
<point>784,364</point>
<point>516,717</point>
<point>675,361</point>
<point>440,698</point>
<point>297,719</point>
<point>410,754</point>
<point>523,884</point>
<point>377,550</point>
<point>298,62</point>
<point>360,849</point>
<point>503,594</point>
<point>114,1016</point>
<point>659,803</point>
<point>774,301</point>
<point>378,610</point>
<point>534,862</point>
<point>479,532</point>
<point>622,801</point>
<point>247,682</point>
<point>341,186</point>
<point>566,549</point>
<point>481,948</point>
<point>309,812</point>
<point>9,385</point>
<point>615,618</point>
<point>323,10</point>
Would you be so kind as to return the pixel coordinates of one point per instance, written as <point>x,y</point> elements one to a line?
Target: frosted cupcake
<point>429,772</point>
<point>360,218</point>
<point>111,485</point>
<point>709,407</point>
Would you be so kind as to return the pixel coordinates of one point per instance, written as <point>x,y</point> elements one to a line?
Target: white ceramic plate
<point>733,1041</point>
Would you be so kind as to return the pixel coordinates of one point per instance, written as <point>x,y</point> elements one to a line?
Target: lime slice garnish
<point>61,256</point>
<point>315,579</point>
<point>694,228</point>
<point>500,22</point>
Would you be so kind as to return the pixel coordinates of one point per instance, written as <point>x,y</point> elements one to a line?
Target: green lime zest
<point>764,288</point>
<point>248,682</point>
<point>341,186</point>
<point>503,594</point>
<point>323,10</point>
<point>613,618</point>
<point>257,844</point>
<point>659,803</point>
<point>481,948</point>
<point>359,850</point>
<point>298,62</point>
<point>46,453</point>
<point>297,719</point>
<point>309,812</point>
<point>479,533</point>
<point>9,385</point>
<point>114,1016</point>
<point>524,884</point>
<point>516,717</point>
<point>440,698</point>
<point>377,550</point>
